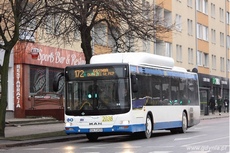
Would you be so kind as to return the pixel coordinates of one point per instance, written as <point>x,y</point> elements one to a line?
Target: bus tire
<point>92,137</point>
<point>149,127</point>
<point>184,127</point>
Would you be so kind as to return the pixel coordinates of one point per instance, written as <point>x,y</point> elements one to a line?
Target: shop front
<point>212,85</point>
<point>35,67</point>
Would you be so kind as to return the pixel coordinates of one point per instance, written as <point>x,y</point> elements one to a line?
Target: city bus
<point>129,93</point>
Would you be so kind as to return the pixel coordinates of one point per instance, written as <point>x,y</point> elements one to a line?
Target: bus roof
<point>135,58</point>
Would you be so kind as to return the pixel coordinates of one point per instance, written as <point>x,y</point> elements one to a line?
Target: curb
<point>213,117</point>
<point>41,141</point>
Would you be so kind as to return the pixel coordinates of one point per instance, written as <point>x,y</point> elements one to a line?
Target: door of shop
<point>204,100</point>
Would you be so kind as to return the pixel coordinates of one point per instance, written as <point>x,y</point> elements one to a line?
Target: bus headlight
<point>68,124</point>
<point>125,122</point>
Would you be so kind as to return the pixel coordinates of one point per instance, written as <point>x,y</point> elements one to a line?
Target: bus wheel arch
<point>184,127</point>
<point>149,125</point>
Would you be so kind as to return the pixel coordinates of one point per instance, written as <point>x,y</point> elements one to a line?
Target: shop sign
<point>224,82</point>
<point>18,86</point>
<point>206,79</point>
<point>57,58</point>
<point>216,81</point>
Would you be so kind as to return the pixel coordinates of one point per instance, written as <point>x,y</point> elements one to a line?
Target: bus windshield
<point>97,97</point>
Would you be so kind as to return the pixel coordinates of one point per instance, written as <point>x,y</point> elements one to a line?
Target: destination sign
<point>94,72</point>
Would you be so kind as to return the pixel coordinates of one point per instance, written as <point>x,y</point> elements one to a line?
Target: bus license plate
<point>96,130</point>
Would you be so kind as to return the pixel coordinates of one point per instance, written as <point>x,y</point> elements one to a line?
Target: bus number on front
<point>79,73</point>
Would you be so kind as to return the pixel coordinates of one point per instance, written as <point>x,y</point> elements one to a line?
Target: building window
<point>41,79</point>
<point>228,65</point>
<point>202,32</point>
<point>228,18</point>
<point>190,55</point>
<point>77,35</point>
<point>167,18</point>
<point>202,6</point>
<point>189,3</point>
<point>213,36</point>
<point>222,67</point>
<point>179,53</point>
<point>221,39</point>
<point>202,59</point>
<point>205,64</point>
<point>190,27</point>
<point>168,49</point>
<point>228,42</point>
<point>178,22</point>
<point>199,58</point>
<point>146,9</point>
<point>221,11</point>
<point>146,46</point>
<point>53,24</point>
<point>27,32</point>
<point>100,34</point>
<point>214,62</point>
<point>213,10</point>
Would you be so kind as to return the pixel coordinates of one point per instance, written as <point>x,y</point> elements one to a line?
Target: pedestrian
<point>219,103</point>
<point>226,104</point>
<point>212,104</point>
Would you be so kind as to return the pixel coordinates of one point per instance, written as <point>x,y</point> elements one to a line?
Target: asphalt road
<point>210,136</point>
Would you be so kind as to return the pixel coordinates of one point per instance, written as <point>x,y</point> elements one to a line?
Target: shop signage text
<point>18,86</point>
<point>57,58</point>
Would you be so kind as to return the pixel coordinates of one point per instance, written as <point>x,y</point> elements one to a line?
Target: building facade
<point>201,40</point>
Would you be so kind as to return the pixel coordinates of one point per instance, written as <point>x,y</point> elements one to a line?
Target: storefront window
<point>41,79</point>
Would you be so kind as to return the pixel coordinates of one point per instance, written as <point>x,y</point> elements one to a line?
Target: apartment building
<point>200,40</point>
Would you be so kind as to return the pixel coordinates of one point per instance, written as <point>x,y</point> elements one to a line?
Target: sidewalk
<point>57,128</point>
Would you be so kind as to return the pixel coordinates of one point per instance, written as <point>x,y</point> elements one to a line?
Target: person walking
<point>226,104</point>
<point>212,104</point>
<point>219,104</point>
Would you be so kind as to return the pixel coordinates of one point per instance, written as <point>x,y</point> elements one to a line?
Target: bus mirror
<point>56,81</point>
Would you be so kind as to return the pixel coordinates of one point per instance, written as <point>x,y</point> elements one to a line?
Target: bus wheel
<point>92,137</point>
<point>149,127</point>
<point>184,127</point>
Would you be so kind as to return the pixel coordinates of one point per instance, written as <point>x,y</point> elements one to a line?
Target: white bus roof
<point>135,58</point>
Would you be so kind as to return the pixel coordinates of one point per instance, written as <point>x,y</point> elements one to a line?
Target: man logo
<point>95,123</point>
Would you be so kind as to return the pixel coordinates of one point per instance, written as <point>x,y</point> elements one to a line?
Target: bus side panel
<point>166,117</point>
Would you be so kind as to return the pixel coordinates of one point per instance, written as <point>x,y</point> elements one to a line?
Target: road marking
<point>35,149</point>
<point>198,152</point>
<point>205,141</point>
<point>128,147</point>
<point>160,146</point>
<point>179,139</point>
<point>160,152</point>
<point>200,128</point>
<point>92,147</point>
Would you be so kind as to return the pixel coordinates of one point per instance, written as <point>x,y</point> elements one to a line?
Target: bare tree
<point>125,21</point>
<point>15,18</point>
